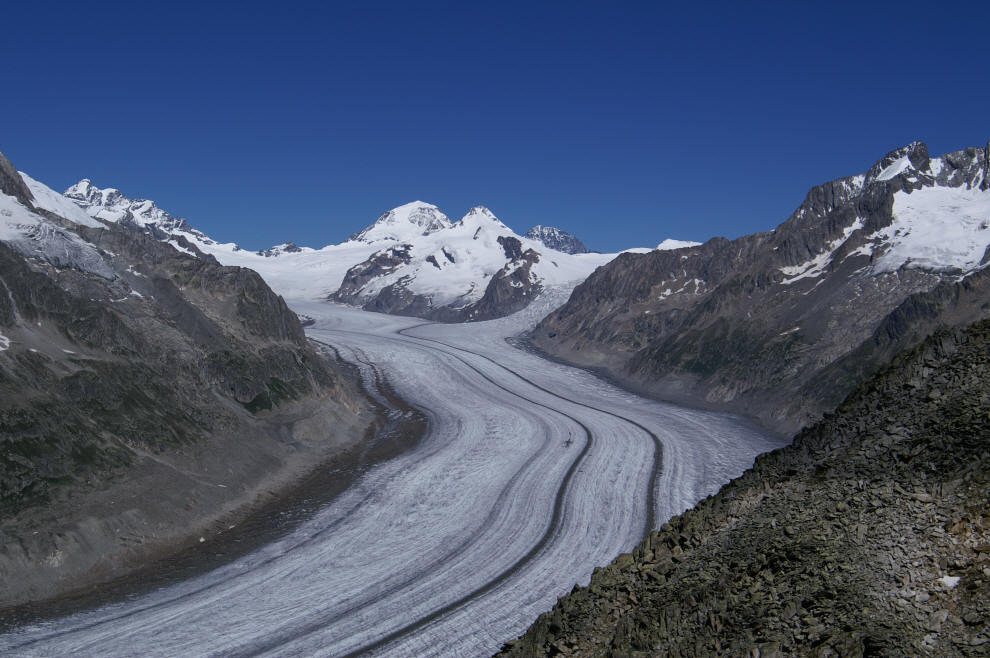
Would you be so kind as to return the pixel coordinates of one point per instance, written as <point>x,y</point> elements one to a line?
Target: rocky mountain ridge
<point>128,365</point>
<point>112,206</point>
<point>869,535</point>
<point>782,325</point>
<point>557,239</point>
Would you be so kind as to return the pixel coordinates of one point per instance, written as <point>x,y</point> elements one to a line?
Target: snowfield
<point>531,474</point>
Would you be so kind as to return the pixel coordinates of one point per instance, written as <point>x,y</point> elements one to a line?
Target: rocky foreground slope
<point>146,394</point>
<point>870,535</point>
<point>783,325</point>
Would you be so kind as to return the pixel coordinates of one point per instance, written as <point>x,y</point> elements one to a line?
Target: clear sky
<point>624,123</point>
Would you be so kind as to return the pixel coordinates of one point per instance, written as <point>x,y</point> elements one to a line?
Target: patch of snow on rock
<point>936,228</point>
<point>48,199</point>
<point>895,168</point>
<point>676,244</point>
<point>816,266</point>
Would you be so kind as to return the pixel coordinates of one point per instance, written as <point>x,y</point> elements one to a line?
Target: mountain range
<point>783,325</point>
<point>413,260</point>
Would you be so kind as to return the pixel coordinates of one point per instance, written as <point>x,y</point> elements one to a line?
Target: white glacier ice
<point>531,474</point>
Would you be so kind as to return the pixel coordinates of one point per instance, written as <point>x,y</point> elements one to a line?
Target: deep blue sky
<point>622,123</point>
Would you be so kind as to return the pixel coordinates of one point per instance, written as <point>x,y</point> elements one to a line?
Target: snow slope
<point>936,228</point>
<point>940,219</point>
<point>36,236</point>
<point>405,223</point>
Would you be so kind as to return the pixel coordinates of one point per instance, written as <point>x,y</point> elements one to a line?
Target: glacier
<point>530,475</point>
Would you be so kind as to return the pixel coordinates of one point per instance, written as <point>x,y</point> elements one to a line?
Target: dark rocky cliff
<point>775,325</point>
<point>144,400</point>
<point>869,535</point>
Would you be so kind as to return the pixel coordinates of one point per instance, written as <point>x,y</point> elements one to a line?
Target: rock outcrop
<point>783,325</point>
<point>869,535</point>
<point>556,239</point>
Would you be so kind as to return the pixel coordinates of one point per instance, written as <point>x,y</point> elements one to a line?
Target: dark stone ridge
<point>869,535</point>
<point>723,325</point>
<point>511,246</point>
<point>557,239</point>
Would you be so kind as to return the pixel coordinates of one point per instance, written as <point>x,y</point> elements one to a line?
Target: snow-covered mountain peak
<point>85,192</point>
<point>480,216</point>
<point>556,239</point>
<point>83,189</point>
<point>405,222</point>
<point>111,205</point>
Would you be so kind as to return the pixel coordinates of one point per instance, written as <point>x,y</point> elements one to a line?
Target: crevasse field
<point>531,474</point>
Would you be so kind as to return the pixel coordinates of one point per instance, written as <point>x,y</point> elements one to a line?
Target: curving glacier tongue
<point>530,475</point>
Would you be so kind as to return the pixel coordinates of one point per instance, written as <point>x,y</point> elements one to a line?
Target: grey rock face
<point>557,239</point>
<point>511,246</point>
<point>130,362</point>
<point>166,335</point>
<point>757,325</point>
<point>379,264</point>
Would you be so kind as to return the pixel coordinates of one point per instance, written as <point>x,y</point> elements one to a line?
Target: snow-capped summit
<point>404,222</point>
<point>480,216</point>
<point>556,239</point>
<point>111,205</point>
<point>478,268</point>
